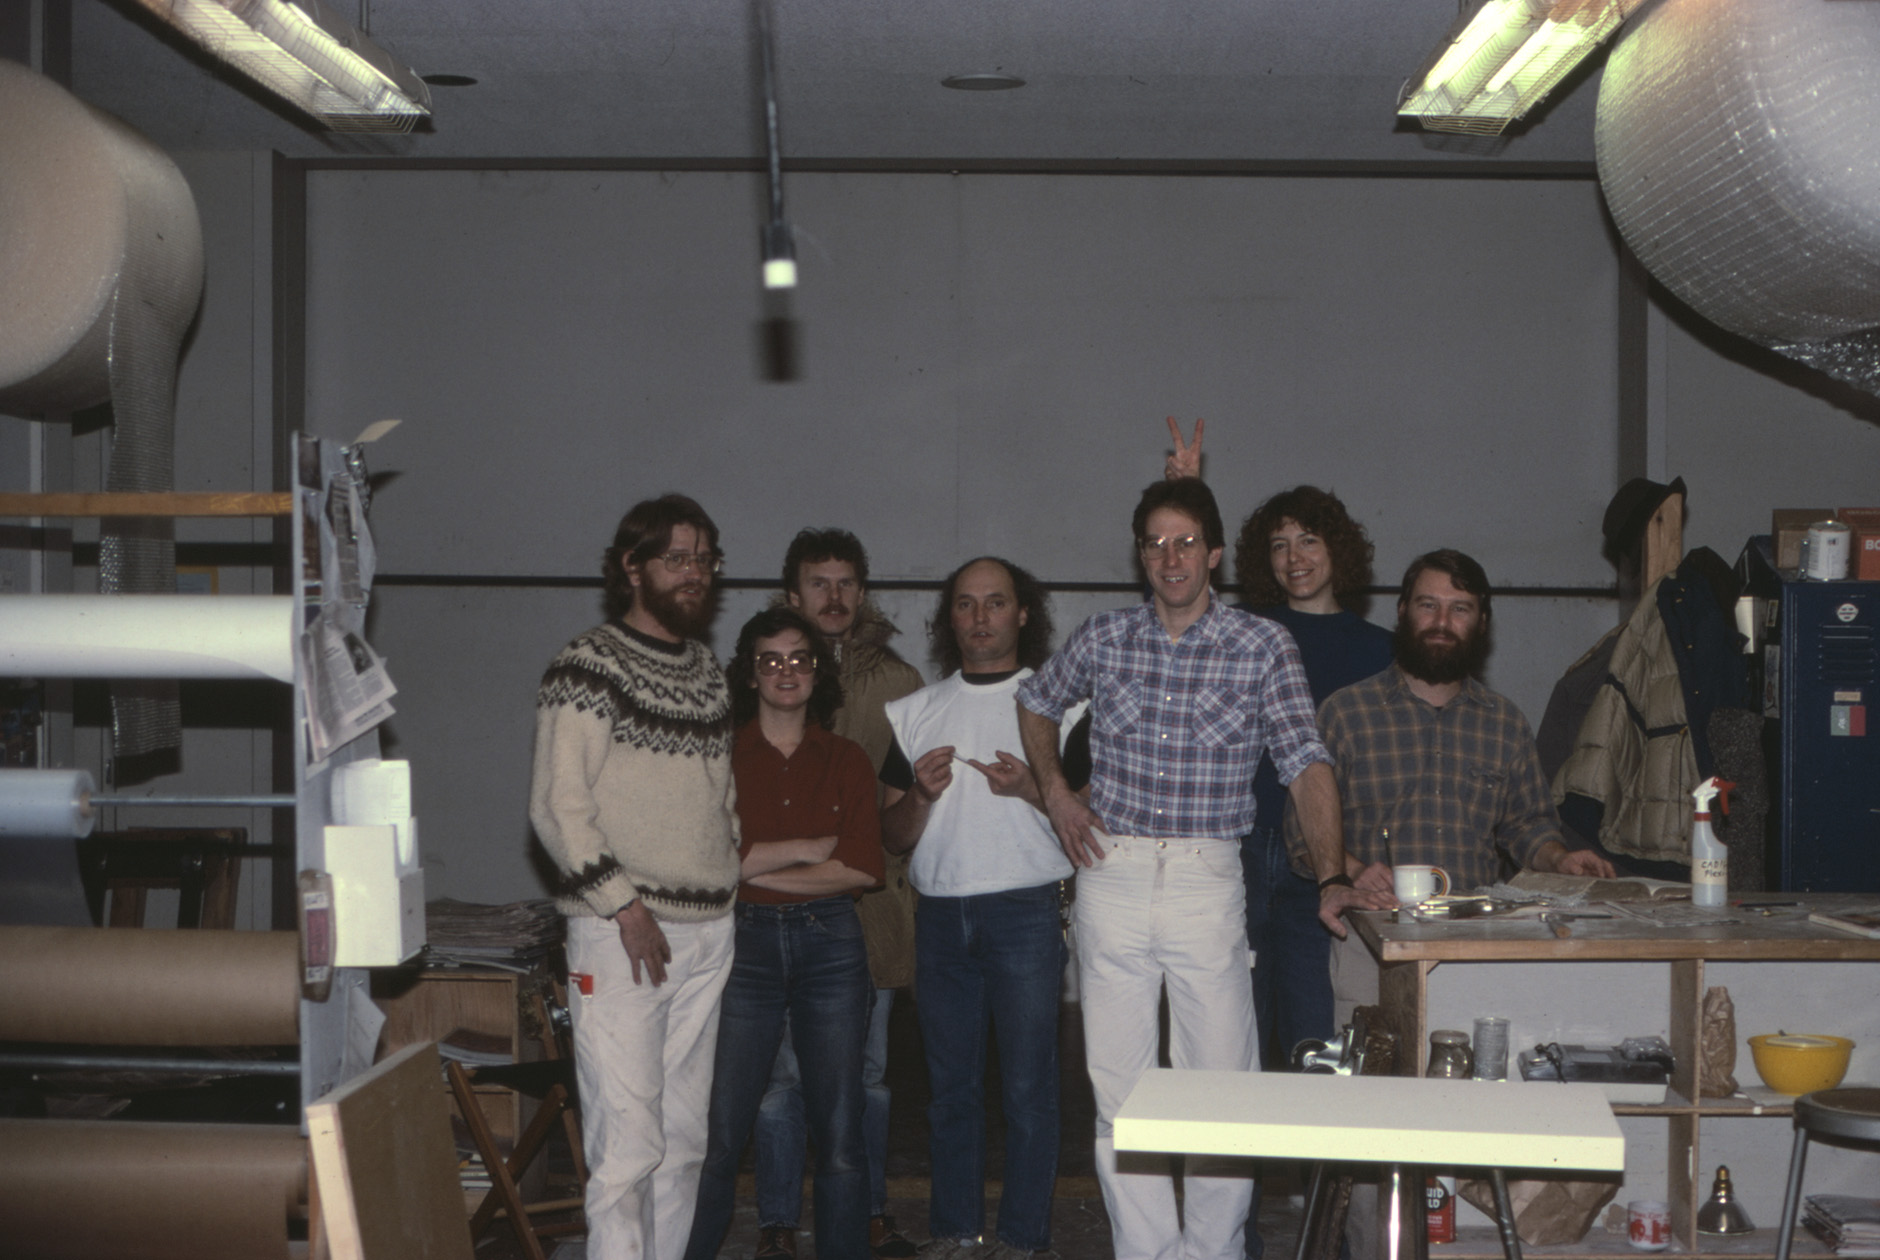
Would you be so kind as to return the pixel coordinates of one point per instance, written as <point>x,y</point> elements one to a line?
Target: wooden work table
<point>1625,993</point>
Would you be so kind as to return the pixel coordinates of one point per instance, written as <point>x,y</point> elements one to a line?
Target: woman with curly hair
<point>810,843</point>
<point>1296,556</point>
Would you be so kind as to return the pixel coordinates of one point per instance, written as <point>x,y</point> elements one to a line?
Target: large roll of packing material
<point>82,199</point>
<point>147,636</point>
<point>140,987</point>
<point>1739,156</point>
<point>83,1189</point>
<point>100,275</point>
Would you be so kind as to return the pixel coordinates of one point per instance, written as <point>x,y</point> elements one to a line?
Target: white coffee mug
<point>1413,884</point>
<point>1648,1224</point>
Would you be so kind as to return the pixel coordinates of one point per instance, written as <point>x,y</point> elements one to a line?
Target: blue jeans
<point>1292,978</point>
<point>806,962</point>
<point>781,1133</point>
<point>993,959</point>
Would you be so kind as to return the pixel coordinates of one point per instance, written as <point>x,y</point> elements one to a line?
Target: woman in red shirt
<point>811,842</point>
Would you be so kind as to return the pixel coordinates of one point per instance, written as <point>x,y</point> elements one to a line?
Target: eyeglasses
<point>1184,546</point>
<point>796,662</point>
<point>703,561</point>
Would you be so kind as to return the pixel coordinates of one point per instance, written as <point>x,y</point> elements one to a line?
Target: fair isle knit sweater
<point>632,792</point>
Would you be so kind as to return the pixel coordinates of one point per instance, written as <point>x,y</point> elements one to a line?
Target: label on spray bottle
<point>1710,859</point>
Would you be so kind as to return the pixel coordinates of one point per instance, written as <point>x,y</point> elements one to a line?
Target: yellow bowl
<point>1800,1063</point>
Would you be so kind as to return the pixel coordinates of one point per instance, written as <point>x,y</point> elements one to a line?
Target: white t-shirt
<point>974,842</point>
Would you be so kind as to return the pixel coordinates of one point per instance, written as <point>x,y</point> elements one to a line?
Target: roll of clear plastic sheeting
<point>45,804</point>
<point>147,636</point>
<point>1740,158</point>
<point>81,1189</point>
<point>43,814</point>
<point>148,987</point>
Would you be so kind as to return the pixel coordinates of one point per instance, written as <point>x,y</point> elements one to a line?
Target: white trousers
<point>643,1059</point>
<point>1156,912</point>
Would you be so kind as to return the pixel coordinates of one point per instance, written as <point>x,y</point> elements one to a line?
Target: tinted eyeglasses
<point>772,663</point>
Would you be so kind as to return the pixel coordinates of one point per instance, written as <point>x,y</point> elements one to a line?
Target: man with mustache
<point>632,797</point>
<point>990,932</point>
<point>1426,753</point>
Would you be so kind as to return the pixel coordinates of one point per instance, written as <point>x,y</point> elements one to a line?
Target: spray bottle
<point>1710,860</point>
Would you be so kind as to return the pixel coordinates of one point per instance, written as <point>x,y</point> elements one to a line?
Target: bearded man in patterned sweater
<point>632,797</point>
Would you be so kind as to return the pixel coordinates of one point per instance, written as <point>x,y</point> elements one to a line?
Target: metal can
<point>1440,1202</point>
<point>1825,551</point>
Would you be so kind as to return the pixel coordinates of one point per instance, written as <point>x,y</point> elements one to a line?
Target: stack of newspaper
<point>1848,1223</point>
<point>514,937</point>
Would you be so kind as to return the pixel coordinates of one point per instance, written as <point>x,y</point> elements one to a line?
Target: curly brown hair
<point>1319,511</point>
<point>825,695</point>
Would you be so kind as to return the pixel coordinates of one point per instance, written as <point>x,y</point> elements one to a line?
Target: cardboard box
<point>1788,526</point>
<point>1864,561</point>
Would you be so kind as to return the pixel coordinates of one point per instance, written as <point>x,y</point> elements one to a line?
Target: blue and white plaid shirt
<point>1177,728</point>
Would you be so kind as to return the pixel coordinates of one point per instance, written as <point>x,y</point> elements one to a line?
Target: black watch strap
<point>1340,881</point>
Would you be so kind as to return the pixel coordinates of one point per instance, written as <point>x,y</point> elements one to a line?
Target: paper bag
<point>1547,1211</point>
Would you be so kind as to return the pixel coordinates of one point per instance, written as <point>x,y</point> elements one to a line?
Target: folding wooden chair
<point>553,1081</point>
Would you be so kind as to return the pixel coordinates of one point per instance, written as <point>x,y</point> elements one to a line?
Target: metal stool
<point>1842,1113</point>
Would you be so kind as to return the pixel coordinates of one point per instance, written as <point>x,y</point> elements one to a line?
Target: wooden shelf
<point>1677,1105</point>
<point>1482,1242</point>
<point>430,1005</point>
<point>172,503</point>
<point>1409,952</point>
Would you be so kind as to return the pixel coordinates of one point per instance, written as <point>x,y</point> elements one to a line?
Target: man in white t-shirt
<point>989,943</point>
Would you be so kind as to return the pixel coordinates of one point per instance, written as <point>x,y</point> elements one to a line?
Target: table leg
<point>1504,1214</point>
<point>1317,1215</point>
<point>1792,1193</point>
<point>1405,1214</point>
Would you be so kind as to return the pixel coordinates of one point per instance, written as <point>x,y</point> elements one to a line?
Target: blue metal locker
<point>1827,750</point>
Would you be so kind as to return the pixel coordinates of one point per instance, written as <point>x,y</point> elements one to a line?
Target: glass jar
<point>1449,1054</point>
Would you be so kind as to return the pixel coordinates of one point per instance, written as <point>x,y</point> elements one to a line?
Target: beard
<point>1443,661</point>
<point>687,619</point>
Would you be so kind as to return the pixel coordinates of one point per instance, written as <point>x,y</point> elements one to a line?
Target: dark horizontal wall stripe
<point>1181,167</point>
<point>554,582</point>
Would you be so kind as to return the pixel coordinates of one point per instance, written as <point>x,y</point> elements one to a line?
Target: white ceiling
<point>1203,81</point>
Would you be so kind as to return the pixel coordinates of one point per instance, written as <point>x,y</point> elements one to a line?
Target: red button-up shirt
<point>826,787</point>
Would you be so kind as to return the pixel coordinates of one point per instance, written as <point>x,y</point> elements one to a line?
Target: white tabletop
<point>1383,1119</point>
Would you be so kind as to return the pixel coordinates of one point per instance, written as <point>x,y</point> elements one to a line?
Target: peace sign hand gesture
<point>1185,460</point>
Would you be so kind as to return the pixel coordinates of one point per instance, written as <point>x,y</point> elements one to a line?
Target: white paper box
<point>378,893</point>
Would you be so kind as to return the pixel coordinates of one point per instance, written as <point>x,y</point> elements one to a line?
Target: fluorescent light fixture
<point>1502,59</point>
<point>309,56</point>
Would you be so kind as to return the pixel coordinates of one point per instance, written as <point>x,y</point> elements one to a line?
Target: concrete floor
<point>1080,1229</point>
